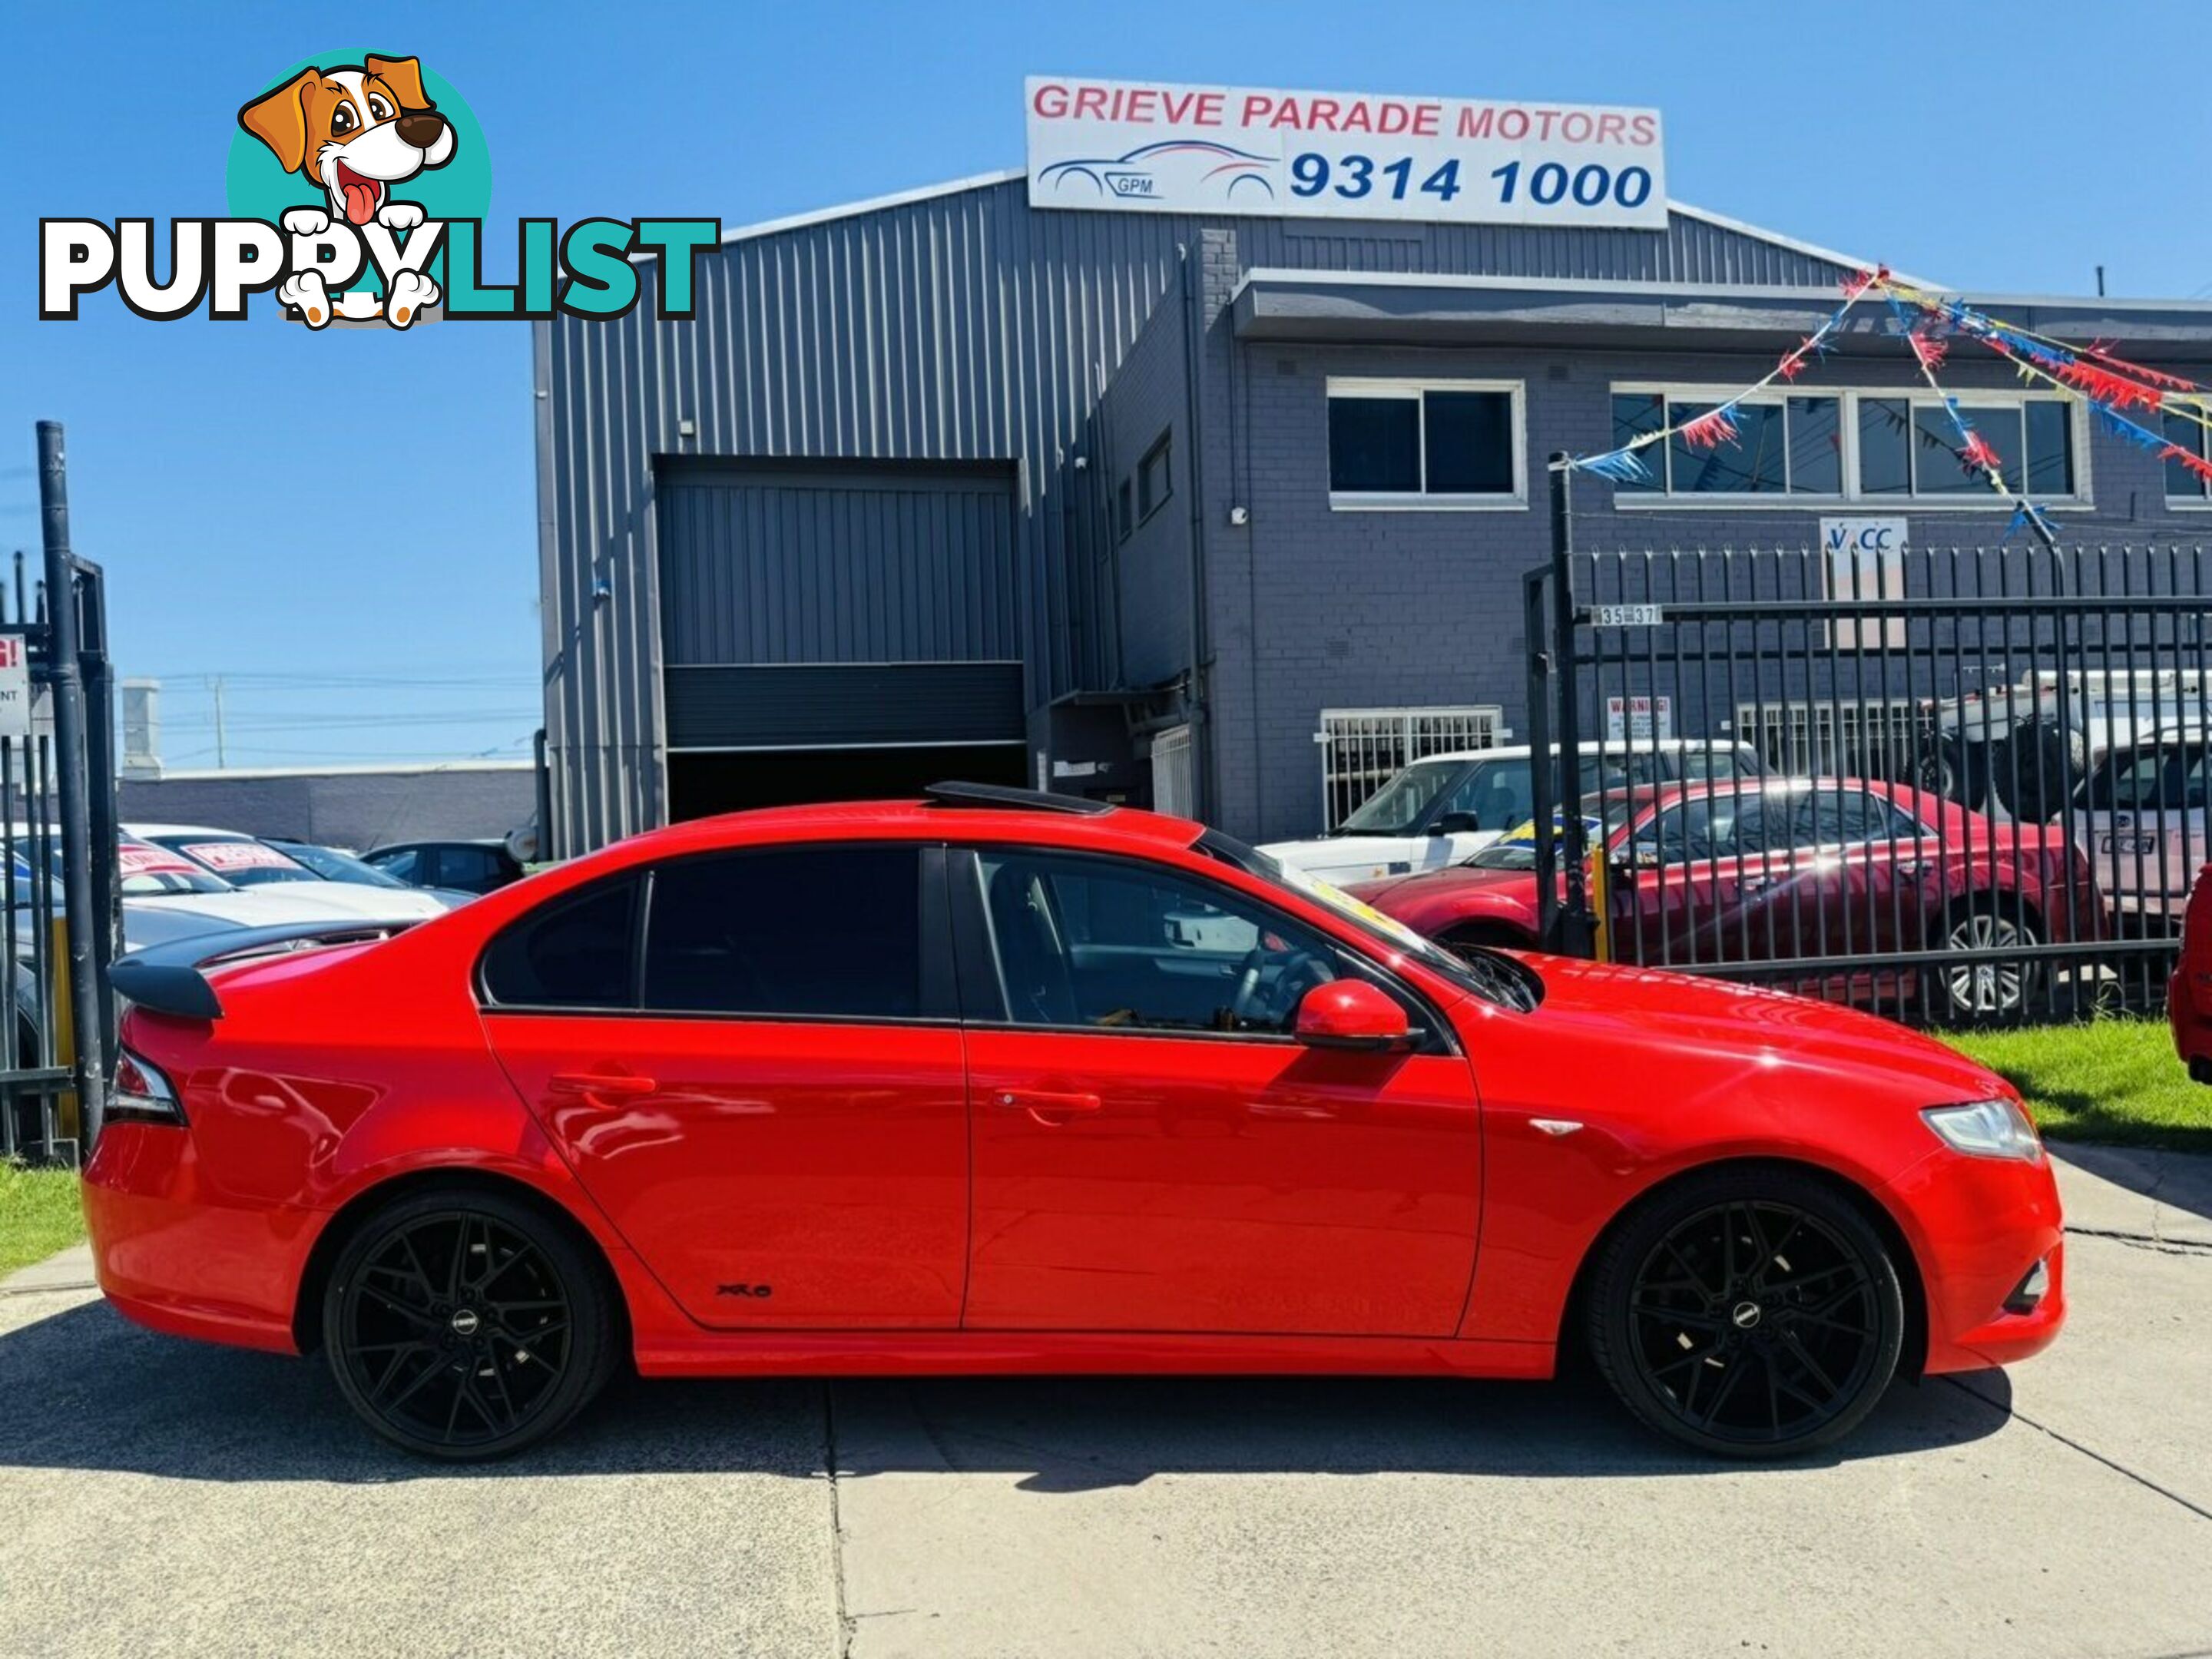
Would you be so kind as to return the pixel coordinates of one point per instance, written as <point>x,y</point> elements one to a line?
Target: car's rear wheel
<point>1749,1312</point>
<point>1992,987</point>
<point>467,1324</point>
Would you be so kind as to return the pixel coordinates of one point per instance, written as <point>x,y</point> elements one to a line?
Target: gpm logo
<point>318,165</point>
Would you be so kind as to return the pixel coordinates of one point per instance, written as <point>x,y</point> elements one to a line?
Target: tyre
<point>1750,1313</point>
<point>467,1325</point>
<point>1988,990</point>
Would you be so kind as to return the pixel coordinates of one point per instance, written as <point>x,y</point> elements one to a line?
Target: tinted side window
<point>821,931</point>
<point>405,865</point>
<point>578,951</point>
<point>1093,942</point>
<point>471,867</point>
<point>1832,817</point>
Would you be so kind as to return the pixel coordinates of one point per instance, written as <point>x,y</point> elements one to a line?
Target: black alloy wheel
<point>465,1325</point>
<point>1751,1313</point>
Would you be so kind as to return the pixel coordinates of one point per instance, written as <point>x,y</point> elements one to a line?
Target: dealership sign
<point>1865,561</point>
<point>1144,147</point>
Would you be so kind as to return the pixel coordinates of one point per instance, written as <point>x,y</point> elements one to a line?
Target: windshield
<point>148,871</point>
<point>333,866</point>
<point>240,860</point>
<point>1517,851</point>
<point>1402,803</point>
<point>1492,979</point>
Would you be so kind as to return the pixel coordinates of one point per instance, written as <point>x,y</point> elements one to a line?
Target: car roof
<point>1128,829</point>
<point>1641,746</point>
<point>1667,795</point>
<point>493,841</point>
<point>149,831</point>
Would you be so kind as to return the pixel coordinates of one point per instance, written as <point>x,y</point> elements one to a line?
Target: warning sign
<point>14,687</point>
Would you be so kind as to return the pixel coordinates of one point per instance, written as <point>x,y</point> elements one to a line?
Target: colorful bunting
<point>1711,429</point>
<point>1930,351</point>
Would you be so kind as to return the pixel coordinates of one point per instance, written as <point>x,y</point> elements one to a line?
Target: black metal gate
<point>61,908</point>
<point>1949,783</point>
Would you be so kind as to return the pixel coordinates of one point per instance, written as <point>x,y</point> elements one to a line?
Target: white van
<point>1446,808</point>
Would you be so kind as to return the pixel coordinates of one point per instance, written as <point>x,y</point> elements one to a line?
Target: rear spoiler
<point>169,978</point>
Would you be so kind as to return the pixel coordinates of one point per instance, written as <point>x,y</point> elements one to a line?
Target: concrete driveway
<point>157,1497</point>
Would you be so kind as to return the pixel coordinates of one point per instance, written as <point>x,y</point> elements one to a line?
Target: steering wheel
<point>1301,972</point>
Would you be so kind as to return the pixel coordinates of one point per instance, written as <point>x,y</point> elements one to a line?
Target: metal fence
<point>61,903</point>
<point>1363,749</point>
<point>1987,769</point>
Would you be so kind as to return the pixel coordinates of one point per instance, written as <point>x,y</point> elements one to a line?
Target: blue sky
<point>342,525</point>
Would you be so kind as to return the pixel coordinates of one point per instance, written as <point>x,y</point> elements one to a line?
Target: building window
<point>1153,484</point>
<point>1851,445</point>
<point>1408,443</point>
<point>2183,487</point>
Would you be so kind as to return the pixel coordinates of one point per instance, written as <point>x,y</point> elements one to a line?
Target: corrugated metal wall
<point>960,326</point>
<point>895,562</point>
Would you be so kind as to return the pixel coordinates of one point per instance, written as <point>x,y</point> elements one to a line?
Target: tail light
<point>141,1094</point>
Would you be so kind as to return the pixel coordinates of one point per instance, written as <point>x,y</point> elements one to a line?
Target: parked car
<point>334,863</point>
<point>471,866</point>
<point>167,897</point>
<point>2189,992</point>
<point>932,1087</point>
<point>249,862</point>
<point>1775,871</point>
<point>1443,810</point>
<point>2022,751</point>
<point>2006,752</point>
<point>2140,817</point>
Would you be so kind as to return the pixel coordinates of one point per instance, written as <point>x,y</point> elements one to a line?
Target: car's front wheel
<point>467,1324</point>
<point>1751,1313</point>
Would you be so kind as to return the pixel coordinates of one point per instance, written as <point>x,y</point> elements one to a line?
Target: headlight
<point>1986,1128</point>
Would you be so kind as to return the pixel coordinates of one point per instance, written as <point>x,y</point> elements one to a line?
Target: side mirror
<point>1350,1013</point>
<point>1456,824</point>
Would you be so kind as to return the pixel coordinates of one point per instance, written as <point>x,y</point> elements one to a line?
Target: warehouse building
<point>1202,501</point>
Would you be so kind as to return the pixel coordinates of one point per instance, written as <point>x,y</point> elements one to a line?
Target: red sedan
<point>999,1083</point>
<point>1801,874</point>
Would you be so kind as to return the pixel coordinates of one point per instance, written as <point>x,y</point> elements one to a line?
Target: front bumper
<point>1980,1227</point>
<point>173,1252</point>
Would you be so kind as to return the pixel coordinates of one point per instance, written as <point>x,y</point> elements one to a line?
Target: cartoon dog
<point>357,131</point>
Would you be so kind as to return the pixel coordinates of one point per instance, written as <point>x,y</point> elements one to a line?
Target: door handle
<point>1044,1107</point>
<point>603,1083</point>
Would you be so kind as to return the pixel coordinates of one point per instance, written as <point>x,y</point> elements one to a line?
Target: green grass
<point>2115,1080</point>
<point>39,1214</point>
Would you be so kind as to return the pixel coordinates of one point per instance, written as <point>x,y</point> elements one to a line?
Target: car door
<point>1153,1150</point>
<point>752,1061</point>
<point>1691,891</point>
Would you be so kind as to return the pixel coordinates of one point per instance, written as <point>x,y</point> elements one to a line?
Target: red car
<point>1748,871</point>
<point>999,1083</point>
<point>2189,992</point>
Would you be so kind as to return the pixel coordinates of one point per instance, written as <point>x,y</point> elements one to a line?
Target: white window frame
<point>2083,500</point>
<point>2201,500</point>
<point>1399,500</point>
